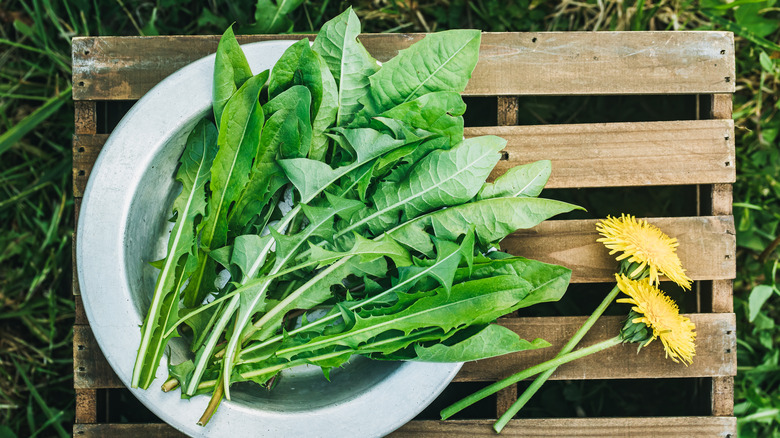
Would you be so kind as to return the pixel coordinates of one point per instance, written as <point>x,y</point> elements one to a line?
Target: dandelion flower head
<point>644,244</point>
<point>661,314</point>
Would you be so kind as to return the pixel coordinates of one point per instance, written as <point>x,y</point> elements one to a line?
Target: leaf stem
<point>536,369</point>
<point>541,379</point>
<point>216,399</point>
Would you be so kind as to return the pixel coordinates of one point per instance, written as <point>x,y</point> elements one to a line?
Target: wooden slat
<point>85,151</point>
<point>622,154</point>
<point>721,106</point>
<point>86,406</point>
<point>90,368</point>
<point>672,427</point>
<point>722,388</point>
<point>722,396</point>
<point>554,63</point>
<point>704,427</point>
<point>715,335</point>
<point>586,155</point>
<point>707,247</point>
<point>85,118</point>
<point>116,430</point>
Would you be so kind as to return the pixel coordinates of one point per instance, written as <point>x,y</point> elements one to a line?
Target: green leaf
<point>493,220</point>
<point>298,65</point>
<point>238,140</point>
<point>441,61</point>
<point>265,180</point>
<point>311,177</point>
<point>349,62</point>
<point>442,178</point>
<point>288,129</point>
<point>750,17</point>
<point>526,180</point>
<point>247,250</point>
<point>439,112</point>
<point>193,174</point>
<point>470,303</point>
<point>326,115</point>
<point>766,62</point>
<point>231,70</point>
<point>758,297</point>
<point>493,340</point>
<point>367,249</point>
<point>272,18</point>
<point>27,124</point>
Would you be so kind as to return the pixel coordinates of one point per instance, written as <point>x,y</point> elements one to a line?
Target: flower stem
<point>501,384</point>
<point>536,384</point>
<point>528,372</point>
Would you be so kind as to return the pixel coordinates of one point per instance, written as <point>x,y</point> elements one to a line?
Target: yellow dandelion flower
<point>661,314</point>
<point>644,244</point>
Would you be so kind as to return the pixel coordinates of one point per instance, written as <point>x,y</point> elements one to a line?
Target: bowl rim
<point>105,288</point>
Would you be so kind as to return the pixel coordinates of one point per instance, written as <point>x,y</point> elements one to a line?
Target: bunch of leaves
<point>388,218</point>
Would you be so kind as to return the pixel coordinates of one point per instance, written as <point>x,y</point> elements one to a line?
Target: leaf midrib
<point>408,97</point>
<point>403,201</point>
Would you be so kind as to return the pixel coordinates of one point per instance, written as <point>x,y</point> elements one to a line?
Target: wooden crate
<point>694,154</point>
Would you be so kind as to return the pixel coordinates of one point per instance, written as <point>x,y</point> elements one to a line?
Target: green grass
<point>36,124</point>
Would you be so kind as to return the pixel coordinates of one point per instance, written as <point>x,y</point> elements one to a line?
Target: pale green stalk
<point>528,372</point>
<point>449,411</point>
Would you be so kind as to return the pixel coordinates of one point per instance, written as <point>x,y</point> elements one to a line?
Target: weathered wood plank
<point>551,63</point>
<point>508,110</point>
<point>622,154</point>
<point>715,351</point>
<point>708,427</point>
<point>586,155</point>
<point>86,406</point>
<point>85,117</point>
<point>707,247</point>
<point>672,427</point>
<point>721,106</point>
<point>715,336</point>
<point>85,151</point>
<point>117,430</point>
<point>722,396</point>
<point>90,368</point>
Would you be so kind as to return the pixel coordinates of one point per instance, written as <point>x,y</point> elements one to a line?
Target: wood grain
<point>707,247</point>
<point>116,430</point>
<point>85,151</point>
<point>86,406</point>
<point>722,396</point>
<point>543,63</point>
<point>622,154</point>
<point>85,117</point>
<point>672,427</point>
<point>90,368</point>
<point>715,351</point>
<point>585,155</point>
<point>715,335</point>
<point>507,110</point>
<point>721,106</point>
